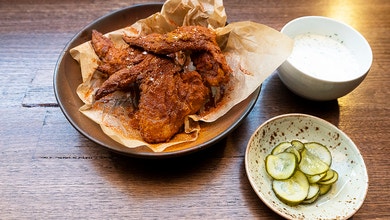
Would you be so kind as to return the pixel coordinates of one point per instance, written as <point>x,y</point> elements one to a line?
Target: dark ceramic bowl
<point>67,77</point>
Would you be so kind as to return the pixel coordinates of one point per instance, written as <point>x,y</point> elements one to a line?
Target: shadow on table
<point>276,99</point>
<point>252,201</point>
<point>163,177</point>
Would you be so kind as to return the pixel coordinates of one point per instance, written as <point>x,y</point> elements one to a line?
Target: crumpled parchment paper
<point>253,51</point>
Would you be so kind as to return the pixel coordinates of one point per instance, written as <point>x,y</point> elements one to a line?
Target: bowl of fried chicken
<point>139,85</point>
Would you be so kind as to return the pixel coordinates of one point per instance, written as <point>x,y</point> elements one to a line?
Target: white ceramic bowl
<point>346,195</point>
<point>314,71</point>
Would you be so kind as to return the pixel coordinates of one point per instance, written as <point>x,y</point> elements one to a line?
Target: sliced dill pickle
<point>281,147</point>
<point>313,199</point>
<point>330,181</point>
<point>329,175</point>
<point>293,150</point>
<point>298,145</point>
<point>316,178</point>
<point>293,190</point>
<point>311,164</point>
<point>314,189</point>
<point>320,151</point>
<point>324,189</point>
<point>281,166</point>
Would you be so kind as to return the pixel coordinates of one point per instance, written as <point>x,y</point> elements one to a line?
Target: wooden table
<point>48,170</point>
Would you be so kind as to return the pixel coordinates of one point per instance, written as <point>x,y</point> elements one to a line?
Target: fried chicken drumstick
<point>168,91</point>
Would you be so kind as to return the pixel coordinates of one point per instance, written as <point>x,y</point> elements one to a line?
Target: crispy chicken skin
<point>122,78</point>
<point>194,38</point>
<point>210,70</point>
<point>167,95</point>
<point>113,59</point>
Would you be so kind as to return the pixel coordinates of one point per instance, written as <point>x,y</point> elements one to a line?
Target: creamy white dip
<point>323,57</point>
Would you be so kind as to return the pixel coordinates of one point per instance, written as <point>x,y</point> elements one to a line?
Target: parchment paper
<point>253,51</point>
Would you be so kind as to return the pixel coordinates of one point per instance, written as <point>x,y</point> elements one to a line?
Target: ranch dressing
<point>323,57</point>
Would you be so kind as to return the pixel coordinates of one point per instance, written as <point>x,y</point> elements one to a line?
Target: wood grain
<point>50,171</point>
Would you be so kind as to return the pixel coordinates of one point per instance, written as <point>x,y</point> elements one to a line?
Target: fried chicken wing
<point>124,77</point>
<point>113,59</point>
<point>194,38</point>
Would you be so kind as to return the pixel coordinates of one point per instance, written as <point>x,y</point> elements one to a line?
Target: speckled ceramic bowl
<point>346,195</point>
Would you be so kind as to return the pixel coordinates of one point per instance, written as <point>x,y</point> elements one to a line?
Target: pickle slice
<point>325,189</point>
<point>314,193</point>
<point>298,145</point>
<point>293,150</point>
<point>293,190</point>
<point>331,180</point>
<point>311,164</point>
<point>281,147</point>
<point>281,166</point>
<point>308,201</point>
<point>329,175</point>
<point>316,178</point>
<point>319,151</point>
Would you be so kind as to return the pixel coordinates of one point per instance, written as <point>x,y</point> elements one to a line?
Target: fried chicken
<point>194,38</point>
<point>166,99</point>
<point>121,79</point>
<point>169,91</point>
<point>167,96</point>
<point>210,70</point>
<point>113,59</point>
